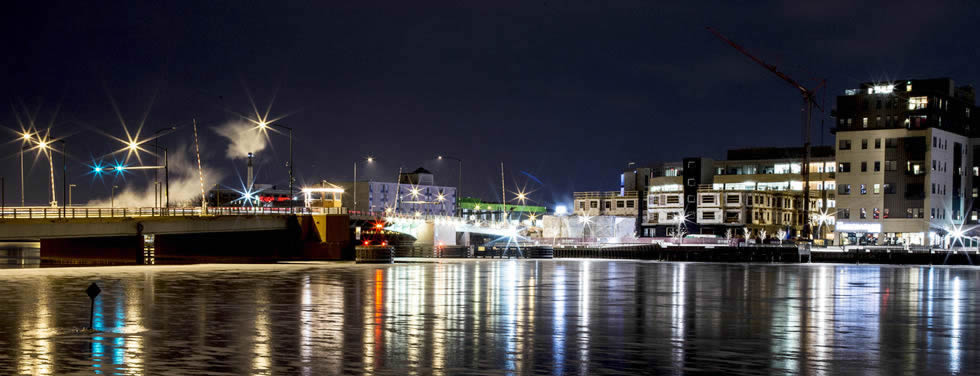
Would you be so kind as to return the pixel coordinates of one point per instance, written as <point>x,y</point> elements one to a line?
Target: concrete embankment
<point>788,254</point>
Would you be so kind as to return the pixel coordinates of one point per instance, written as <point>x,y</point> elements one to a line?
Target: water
<point>492,317</point>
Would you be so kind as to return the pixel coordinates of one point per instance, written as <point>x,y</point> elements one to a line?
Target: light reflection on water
<point>496,317</point>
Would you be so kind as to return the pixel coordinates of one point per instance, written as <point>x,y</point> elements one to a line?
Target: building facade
<point>414,194</point>
<point>758,189</point>
<point>617,203</point>
<point>902,161</point>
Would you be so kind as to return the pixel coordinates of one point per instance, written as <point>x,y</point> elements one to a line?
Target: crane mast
<point>808,104</point>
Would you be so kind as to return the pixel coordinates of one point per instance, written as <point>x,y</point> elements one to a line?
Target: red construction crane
<point>808,104</point>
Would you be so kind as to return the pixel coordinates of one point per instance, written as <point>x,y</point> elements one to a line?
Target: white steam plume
<point>185,185</point>
<point>243,138</point>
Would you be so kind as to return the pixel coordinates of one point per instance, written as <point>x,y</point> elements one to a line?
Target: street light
<point>26,137</point>
<point>70,187</point>
<point>64,176</point>
<point>112,198</point>
<point>459,179</point>
<point>166,164</point>
<point>264,126</point>
<point>367,160</point>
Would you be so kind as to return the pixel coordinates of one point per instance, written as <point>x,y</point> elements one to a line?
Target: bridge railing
<point>95,212</point>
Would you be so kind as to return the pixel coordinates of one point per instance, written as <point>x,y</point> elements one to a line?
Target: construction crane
<point>808,103</point>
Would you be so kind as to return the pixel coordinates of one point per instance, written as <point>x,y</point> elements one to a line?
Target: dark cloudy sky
<point>566,91</point>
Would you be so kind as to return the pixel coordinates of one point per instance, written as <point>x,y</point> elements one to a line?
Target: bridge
<point>122,235</point>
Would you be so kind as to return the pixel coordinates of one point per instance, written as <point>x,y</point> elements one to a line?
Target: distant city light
<point>561,210</point>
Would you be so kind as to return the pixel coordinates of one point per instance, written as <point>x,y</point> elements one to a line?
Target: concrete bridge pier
<point>430,234</point>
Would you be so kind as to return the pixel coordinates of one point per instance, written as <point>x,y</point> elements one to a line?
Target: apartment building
<point>615,203</point>
<point>756,188</point>
<point>902,153</point>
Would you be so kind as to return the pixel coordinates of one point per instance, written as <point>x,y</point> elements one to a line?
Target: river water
<point>492,317</point>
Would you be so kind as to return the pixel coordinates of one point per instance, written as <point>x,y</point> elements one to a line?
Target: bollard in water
<point>93,290</point>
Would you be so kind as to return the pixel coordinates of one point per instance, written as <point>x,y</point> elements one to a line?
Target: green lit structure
<point>485,210</point>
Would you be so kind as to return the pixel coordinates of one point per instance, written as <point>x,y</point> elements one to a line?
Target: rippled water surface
<point>492,317</point>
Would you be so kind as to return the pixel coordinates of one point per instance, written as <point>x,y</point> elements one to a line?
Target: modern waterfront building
<point>415,193</point>
<point>759,189</point>
<point>903,149</point>
<point>617,203</point>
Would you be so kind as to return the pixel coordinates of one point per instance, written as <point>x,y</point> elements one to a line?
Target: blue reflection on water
<point>558,334</point>
<point>98,349</point>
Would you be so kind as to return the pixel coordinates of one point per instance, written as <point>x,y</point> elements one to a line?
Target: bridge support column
<point>326,237</point>
<point>463,238</point>
<point>431,234</point>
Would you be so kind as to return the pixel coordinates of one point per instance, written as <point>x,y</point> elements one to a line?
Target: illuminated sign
<point>872,227</point>
<point>267,198</point>
<point>881,89</point>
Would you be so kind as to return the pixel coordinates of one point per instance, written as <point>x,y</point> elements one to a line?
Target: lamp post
<point>26,139</point>
<point>64,177</point>
<point>22,175</point>
<point>112,198</point>
<point>166,176</point>
<point>459,179</point>
<point>263,126</point>
<point>368,160</point>
<point>166,170</point>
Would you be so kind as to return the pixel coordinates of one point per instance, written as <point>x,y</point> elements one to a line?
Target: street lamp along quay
<point>354,193</point>
<point>264,126</point>
<point>459,180</point>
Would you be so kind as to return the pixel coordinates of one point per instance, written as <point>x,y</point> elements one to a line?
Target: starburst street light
<point>369,159</point>
<point>44,144</point>
<point>264,124</point>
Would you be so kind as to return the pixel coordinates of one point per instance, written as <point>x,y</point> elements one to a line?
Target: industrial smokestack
<point>249,175</point>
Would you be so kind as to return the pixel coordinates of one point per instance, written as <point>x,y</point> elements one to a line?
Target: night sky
<point>566,92</point>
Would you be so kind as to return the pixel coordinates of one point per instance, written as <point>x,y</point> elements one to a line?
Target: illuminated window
<point>864,214</point>
<point>918,103</point>
<point>864,122</point>
<point>908,86</point>
<point>877,188</point>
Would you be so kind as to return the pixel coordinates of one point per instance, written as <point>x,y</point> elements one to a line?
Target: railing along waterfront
<point>95,212</point>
